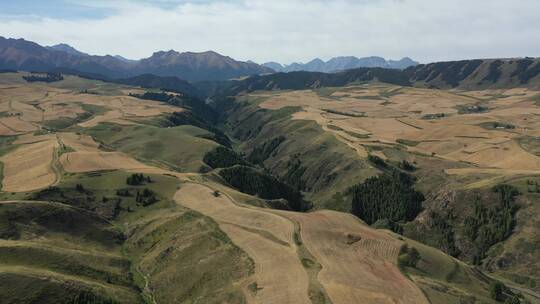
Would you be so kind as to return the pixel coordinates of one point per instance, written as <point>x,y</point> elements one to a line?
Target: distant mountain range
<point>337,64</point>
<point>20,54</point>
<point>178,71</point>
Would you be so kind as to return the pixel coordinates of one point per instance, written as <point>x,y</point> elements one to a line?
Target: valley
<point>269,152</point>
<point>114,193</point>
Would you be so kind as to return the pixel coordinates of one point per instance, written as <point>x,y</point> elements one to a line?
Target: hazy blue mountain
<point>315,65</point>
<point>402,64</point>
<point>274,66</point>
<point>342,63</point>
<point>123,58</point>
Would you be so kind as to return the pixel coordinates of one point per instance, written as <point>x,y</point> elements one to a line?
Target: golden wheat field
<point>30,166</point>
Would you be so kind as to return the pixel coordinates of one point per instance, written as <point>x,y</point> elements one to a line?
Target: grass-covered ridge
<point>75,247</point>
<point>181,148</point>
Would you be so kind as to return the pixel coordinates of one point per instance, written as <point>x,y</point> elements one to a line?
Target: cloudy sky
<point>283,30</point>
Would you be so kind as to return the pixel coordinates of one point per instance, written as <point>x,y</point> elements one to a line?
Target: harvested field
<point>358,262</point>
<point>36,103</point>
<point>30,167</point>
<point>79,142</point>
<point>467,171</point>
<point>30,138</point>
<point>110,116</point>
<point>267,238</point>
<point>17,125</point>
<point>26,108</point>
<point>87,156</point>
<point>5,131</point>
<point>359,271</point>
<point>97,161</point>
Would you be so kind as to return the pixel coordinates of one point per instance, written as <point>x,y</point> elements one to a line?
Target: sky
<point>285,31</point>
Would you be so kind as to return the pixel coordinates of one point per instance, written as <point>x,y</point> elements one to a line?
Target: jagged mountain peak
<point>340,63</point>
<point>64,47</point>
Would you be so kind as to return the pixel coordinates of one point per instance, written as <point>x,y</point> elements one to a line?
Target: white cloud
<point>300,30</point>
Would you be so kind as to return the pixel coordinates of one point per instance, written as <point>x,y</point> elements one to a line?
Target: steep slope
<point>55,253</point>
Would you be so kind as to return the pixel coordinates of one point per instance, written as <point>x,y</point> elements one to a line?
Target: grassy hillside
<point>159,251</point>
<point>181,148</point>
<point>186,258</point>
<point>515,260</point>
<point>90,111</point>
<point>50,246</point>
<point>447,280</point>
<point>166,244</point>
<point>106,192</point>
